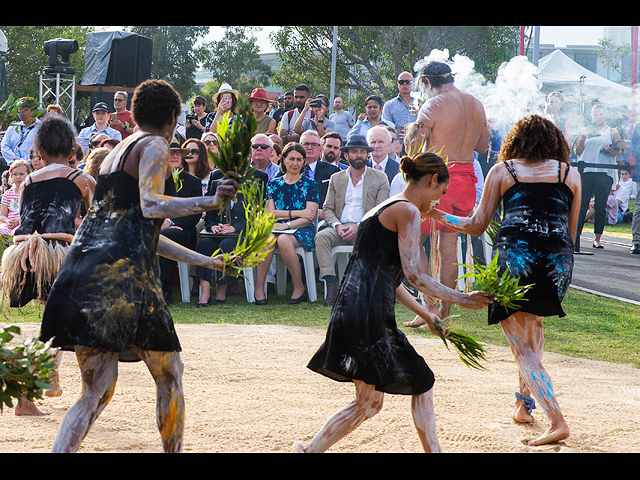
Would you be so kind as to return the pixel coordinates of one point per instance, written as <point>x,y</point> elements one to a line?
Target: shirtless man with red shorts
<point>452,124</point>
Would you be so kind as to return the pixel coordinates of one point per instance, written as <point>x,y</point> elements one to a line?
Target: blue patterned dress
<point>295,197</point>
<point>534,244</point>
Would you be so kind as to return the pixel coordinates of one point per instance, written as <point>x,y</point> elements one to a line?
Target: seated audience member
<point>627,182</point>
<point>351,194</point>
<point>10,205</point>
<point>261,150</point>
<point>221,233</point>
<point>379,138</point>
<point>101,116</point>
<point>196,162</point>
<point>293,199</point>
<point>319,121</point>
<point>181,230</point>
<point>259,104</point>
<point>331,144</point>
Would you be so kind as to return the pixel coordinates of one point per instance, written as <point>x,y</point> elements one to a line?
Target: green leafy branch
<point>470,351</point>
<point>251,249</point>
<point>25,369</point>
<point>234,144</point>
<point>507,288</point>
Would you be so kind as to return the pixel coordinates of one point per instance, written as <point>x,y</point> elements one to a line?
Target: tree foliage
<point>235,59</point>
<point>174,56</point>
<point>369,58</point>
<point>26,60</point>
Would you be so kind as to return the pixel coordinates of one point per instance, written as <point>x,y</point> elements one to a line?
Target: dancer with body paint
<point>453,124</point>
<point>50,200</point>
<point>542,196</point>
<point>107,303</point>
<point>363,344</point>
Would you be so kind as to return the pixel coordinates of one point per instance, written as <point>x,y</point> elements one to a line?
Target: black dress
<point>108,294</point>
<point>534,243</point>
<point>48,206</point>
<point>363,341</point>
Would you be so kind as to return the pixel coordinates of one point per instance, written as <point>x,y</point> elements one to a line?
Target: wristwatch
<point>288,224</point>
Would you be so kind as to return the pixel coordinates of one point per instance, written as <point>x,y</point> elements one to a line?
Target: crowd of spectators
<point>323,168</point>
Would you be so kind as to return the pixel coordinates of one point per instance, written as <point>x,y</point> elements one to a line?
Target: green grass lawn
<point>595,328</point>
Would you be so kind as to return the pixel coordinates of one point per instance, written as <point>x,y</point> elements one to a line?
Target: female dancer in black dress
<point>107,303</point>
<point>50,200</point>
<point>541,196</point>
<point>363,344</point>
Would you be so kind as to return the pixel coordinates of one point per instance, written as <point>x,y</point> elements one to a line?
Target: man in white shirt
<point>101,116</point>
<point>300,96</point>
<point>351,194</point>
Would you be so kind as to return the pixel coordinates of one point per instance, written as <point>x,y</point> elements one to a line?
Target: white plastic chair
<point>309,270</point>
<point>185,282</point>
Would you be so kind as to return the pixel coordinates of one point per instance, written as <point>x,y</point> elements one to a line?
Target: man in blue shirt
<point>399,110</point>
<point>372,118</point>
<point>18,139</point>
<point>101,115</point>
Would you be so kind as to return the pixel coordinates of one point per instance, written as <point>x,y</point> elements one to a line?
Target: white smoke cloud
<point>516,93</point>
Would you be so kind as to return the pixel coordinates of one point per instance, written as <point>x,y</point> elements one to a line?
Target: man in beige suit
<point>351,194</point>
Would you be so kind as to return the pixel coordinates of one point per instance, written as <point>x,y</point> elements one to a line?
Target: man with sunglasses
<point>122,119</point>
<point>261,149</point>
<point>401,110</point>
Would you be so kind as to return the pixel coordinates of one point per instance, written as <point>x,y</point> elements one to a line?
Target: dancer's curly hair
<point>535,139</point>
<point>154,103</point>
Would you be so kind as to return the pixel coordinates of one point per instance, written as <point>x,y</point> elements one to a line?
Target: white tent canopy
<point>557,72</point>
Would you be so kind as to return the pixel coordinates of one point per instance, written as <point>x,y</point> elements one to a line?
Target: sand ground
<point>247,389</point>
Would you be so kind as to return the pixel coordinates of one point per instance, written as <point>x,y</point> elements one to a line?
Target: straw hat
<point>225,88</point>
<point>175,146</point>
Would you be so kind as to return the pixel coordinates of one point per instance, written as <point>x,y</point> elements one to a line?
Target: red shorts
<point>460,197</point>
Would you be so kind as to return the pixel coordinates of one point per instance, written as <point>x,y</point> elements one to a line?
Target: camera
<point>317,103</point>
<point>191,116</point>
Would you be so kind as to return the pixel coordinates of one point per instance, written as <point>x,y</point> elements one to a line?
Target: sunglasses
<point>256,146</point>
<point>404,82</point>
<point>195,151</point>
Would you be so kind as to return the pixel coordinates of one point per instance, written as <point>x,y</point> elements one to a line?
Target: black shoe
<point>300,299</point>
<point>332,293</point>
<point>597,245</point>
<point>261,302</point>
<point>635,249</point>
<point>202,305</point>
<point>168,297</point>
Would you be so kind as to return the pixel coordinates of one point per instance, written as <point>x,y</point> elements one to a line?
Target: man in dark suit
<point>314,168</point>
<point>181,230</point>
<point>379,138</point>
<point>221,232</point>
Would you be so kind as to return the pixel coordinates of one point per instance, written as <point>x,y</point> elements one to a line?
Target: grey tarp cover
<point>98,56</point>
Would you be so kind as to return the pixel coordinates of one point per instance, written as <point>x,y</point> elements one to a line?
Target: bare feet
<point>552,435</point>
<point>298,447</point>
<point>29,408</point>
<point>416,322</point>
<point>521,413</point>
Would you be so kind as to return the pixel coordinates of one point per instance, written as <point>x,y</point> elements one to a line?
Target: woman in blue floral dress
<point>293,199</point>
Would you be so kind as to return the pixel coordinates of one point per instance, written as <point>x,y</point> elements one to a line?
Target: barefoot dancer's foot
<point>551,436</point>
<point>416,322</point>
<point>521,414</point>
<point>29,408</point>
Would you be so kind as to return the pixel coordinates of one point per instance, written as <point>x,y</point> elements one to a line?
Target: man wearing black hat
<point>351,194</point>
<point>101,116</point>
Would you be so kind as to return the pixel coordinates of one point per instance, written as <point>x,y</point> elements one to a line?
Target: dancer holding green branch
<point>107,303</point>
<point>541,195</point>
<point>363,344</point>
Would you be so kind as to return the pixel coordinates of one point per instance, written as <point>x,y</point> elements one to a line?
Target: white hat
<point>224,88</point>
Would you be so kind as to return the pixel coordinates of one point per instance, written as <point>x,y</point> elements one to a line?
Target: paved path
<point>612,271</point>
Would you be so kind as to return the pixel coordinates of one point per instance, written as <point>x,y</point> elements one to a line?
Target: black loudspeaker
<point>130,62</point>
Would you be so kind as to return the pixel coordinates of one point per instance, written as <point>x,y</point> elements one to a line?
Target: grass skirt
<point>30,266</point>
